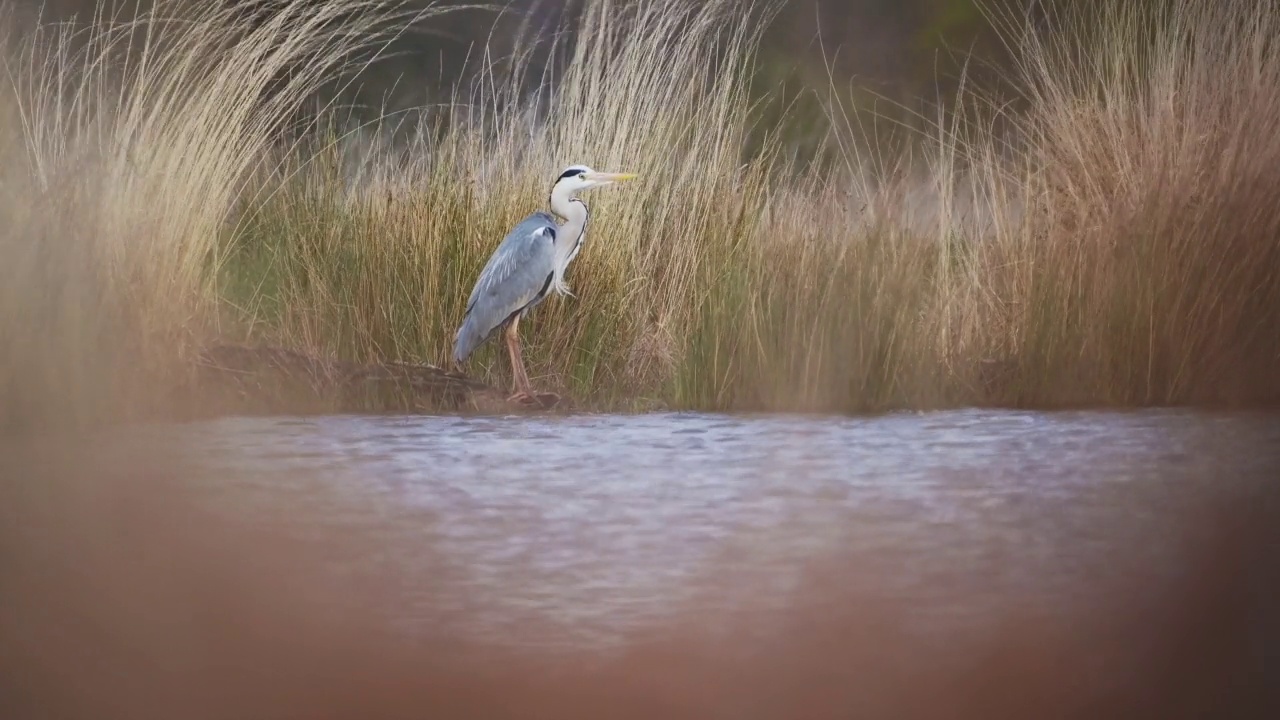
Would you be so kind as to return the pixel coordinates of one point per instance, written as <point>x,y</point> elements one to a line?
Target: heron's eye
<point>582,176</point>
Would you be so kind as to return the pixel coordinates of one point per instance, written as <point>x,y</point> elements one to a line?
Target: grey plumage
<point>516,278</point>
<point>528,265</point>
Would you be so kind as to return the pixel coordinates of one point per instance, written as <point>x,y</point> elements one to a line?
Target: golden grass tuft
<point>127,142</point>
<point>1115,243</point>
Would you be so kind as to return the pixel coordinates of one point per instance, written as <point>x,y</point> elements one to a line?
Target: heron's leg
<point>524,393</point>
<point>519,377</point>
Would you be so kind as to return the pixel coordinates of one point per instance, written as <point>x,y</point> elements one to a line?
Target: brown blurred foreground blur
<point>123,597</point>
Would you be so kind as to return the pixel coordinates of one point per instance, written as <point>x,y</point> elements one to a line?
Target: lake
<point>1084,540</point>
<point>584,526</point>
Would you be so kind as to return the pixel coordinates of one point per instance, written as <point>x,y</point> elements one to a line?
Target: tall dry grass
<point>370,251</point>
<point>1146,267</point>
<point>126,141</point>
<point>1115,242</point>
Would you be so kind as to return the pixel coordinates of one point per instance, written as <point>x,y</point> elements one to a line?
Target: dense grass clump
<point>1116,242</point>
<point>127,141</point>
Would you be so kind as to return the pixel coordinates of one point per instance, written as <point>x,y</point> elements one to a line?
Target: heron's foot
<point>535,400</point>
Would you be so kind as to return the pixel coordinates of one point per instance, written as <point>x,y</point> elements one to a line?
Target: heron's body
<point>528,265</point>
<point>517,277</point>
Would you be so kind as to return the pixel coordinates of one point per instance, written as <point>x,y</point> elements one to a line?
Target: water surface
<point>575,531</point>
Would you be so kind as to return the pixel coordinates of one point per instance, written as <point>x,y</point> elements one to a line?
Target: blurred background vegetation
<point>903,51</point>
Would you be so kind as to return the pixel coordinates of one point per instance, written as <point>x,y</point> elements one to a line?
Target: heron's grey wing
<point>517,273</point>
<point>518,261</point>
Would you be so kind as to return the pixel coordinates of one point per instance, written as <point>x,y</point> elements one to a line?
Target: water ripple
<point>602,522</point>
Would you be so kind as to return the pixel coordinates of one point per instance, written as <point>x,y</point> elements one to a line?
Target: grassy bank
<point>1115,242</point>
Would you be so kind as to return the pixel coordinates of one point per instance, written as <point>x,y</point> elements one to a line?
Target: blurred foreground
<point>953,565</point>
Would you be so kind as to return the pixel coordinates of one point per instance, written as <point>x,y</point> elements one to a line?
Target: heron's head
<point>576,178</point>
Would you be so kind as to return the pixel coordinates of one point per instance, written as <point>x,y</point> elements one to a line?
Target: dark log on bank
<point>280,380</point>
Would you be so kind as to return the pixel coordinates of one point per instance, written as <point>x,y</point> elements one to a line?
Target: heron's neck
<point>568,239</point>
<point>572,209</point>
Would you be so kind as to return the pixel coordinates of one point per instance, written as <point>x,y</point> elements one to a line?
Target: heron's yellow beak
<point>612,177</point>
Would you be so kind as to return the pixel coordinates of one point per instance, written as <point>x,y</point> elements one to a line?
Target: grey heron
<point>528,265</point>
